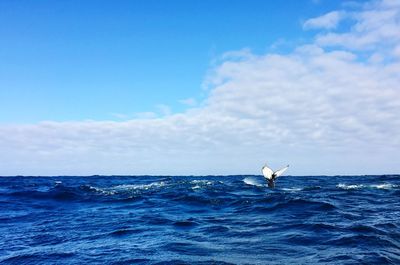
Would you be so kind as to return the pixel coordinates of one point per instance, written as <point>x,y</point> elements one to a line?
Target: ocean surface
<point>200,220</point>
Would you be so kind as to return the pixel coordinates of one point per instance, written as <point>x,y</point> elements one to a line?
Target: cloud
<point>396,51</point>
<point>376,26</point>
<point>327,111</point>
<point>327,21</point>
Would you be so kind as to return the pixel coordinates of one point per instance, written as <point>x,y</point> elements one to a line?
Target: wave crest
<point>253,182</point>
<point>383,186</point>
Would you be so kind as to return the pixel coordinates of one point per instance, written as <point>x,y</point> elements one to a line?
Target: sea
<point>200,220</point>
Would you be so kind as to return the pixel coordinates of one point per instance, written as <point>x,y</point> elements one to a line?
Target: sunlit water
<point>200,220</point>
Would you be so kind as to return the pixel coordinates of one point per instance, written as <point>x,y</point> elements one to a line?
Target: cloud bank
<point>329,107</point>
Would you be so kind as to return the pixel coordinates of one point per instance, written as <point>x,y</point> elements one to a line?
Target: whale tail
<point>270,174</point>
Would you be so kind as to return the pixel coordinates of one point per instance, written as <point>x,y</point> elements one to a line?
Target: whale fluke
<point>271,175</point>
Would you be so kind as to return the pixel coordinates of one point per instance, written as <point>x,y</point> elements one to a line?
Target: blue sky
<point>199,87</point>
<point>75,60</point>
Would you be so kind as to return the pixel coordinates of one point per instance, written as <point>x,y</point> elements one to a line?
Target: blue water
<point>200,220</point>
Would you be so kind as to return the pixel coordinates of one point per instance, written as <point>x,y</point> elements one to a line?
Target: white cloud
<point>327,21</point>
<point>396,51</point>
<point>377,26</point>
<point>326,112</point>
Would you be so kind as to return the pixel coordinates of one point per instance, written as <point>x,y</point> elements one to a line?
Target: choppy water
<point>200,220</point>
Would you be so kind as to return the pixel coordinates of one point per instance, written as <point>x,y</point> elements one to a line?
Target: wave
<point>192,219</point>
<point>354,240</point>
<point>97,190</point>
<point>383,186</point>
<point>37,258</point>
<point>293,189</point>
<point>350,186</point>
<point>125,232</point>
<point>307,204</point>
<point>186,223</point>
<point>253,182</point>
<point>128,187</point>
<point>200,183</point>
<point>87,192</point>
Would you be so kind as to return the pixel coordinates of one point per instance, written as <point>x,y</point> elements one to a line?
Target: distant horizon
<point>240,175</point>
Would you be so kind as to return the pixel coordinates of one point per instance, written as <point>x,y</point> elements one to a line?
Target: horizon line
<point>234,175</point>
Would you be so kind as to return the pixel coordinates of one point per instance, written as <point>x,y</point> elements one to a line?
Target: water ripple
<point>200,220</point>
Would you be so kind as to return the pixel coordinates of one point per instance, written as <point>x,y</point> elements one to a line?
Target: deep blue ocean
<point>200,220</point>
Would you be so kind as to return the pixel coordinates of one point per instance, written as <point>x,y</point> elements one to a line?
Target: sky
<point>199,87</point>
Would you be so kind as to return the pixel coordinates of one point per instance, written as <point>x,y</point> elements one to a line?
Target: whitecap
<point>102,191</point>
<point>201,181</point>
<point>384,186</point>
<point>292,189</point>
<point>253,182</point>
<point>350,187</point>
<point>127,187</point>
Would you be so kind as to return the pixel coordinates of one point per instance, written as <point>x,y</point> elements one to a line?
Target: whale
<point>271,175</point>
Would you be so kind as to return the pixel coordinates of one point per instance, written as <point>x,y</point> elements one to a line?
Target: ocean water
<point>200,220</point>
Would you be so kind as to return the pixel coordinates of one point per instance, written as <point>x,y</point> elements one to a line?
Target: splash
<point>253,182</point>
